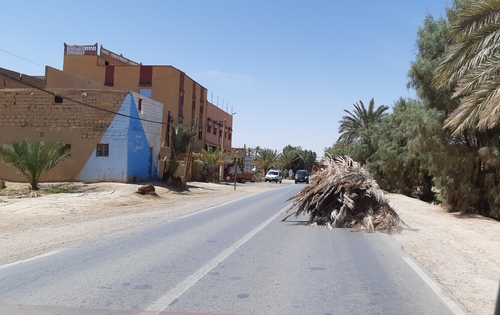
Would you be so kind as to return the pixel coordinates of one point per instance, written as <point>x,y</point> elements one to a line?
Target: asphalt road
<point>238,258</point>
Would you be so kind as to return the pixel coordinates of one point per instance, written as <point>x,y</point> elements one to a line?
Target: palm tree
<point>471,67</point>
<point>181,137</point>
<point>211,160</point>
<point>266,158</point>
<point>287,158</point>
<point>359,120</point>
<point>34,160</point>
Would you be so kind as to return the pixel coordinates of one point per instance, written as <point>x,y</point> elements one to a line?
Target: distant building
<point>219,131</point>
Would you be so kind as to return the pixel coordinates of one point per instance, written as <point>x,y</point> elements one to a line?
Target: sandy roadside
<point>461,252</point>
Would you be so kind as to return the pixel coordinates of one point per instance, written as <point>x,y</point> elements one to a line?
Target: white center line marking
<point>182,287</point>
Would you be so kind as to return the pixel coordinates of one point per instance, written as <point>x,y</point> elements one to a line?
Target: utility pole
<point>221,168</point>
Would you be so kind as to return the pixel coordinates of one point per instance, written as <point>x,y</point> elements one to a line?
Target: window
<point>109,76</point>
<point>146,76</point>
<point>181,98</point>
<point>146,92</point>
<point>58,99</point>
<point>102,149</point>
<point>139,105</point>
<point>209,129</point>
<point>200,135</point>
<point>230,134</point>
<point>215,130</point>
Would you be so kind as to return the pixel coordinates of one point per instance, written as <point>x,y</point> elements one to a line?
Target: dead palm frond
<point>344,194</point>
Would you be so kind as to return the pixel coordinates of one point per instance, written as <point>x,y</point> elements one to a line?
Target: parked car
<point>302,176</point>
<point>274,176</point>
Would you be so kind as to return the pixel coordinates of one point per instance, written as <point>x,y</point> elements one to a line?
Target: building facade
<point>219,131</point>
<point>113,135</point>
<point>185,100</point>
<point>92,77</point>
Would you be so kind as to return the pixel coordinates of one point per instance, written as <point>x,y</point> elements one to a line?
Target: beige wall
<point>84,66</point>
<point>59,79</point>
<point>9,80</point>
<point>30,114</point>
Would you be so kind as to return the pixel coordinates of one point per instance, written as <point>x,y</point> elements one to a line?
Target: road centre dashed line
<point>184,285</point>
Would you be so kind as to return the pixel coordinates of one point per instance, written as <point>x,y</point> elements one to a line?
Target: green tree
<point>266,158</point>
<point>431,44</point>
<point>462,164</point>
<point>34,160</point>
<point>307,157</point>
<point>211,160</point>
<point>286,159</point>
<point>360,120</point>
<point>399,164</point>
<point>471,67</point>
<point>181,137</point>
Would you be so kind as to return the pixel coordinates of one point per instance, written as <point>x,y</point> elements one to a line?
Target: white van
<point>274,176</point>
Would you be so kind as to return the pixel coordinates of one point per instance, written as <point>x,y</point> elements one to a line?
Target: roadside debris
<point>147,190</point>
<point>344,194</point>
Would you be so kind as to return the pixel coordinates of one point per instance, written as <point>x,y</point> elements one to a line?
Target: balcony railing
<point>80,49</point>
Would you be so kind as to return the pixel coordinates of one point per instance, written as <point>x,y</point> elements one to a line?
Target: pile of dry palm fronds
<point>344,194</point>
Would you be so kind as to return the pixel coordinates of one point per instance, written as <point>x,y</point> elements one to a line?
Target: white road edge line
<point>182,287</point>
<point>30,259</point>
<point>452,305</point>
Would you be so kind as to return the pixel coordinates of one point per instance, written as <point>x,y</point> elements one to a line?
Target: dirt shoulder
<point>462,252</point>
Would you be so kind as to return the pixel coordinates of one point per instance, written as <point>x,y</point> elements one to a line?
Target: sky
<point>288,69</point>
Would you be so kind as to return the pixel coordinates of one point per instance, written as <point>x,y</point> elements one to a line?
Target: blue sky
<point>288,68</point>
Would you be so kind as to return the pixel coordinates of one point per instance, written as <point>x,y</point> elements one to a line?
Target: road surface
<point>238,258</point>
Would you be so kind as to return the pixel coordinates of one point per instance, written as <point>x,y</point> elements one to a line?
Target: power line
<point>22,58</point>
<point>85,104</point>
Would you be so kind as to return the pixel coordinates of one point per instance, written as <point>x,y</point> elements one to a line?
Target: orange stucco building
<point>185,100</point>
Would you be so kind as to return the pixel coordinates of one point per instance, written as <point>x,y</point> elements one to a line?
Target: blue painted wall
<point>131,153</point>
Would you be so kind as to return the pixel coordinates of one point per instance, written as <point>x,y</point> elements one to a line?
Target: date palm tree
<point>287,158</point>
<point>266,158</point>
<point>211,159</point>
<point>181,137</point>
<point>361,119</point>
<point>34,160</point>
<point>471,67</point>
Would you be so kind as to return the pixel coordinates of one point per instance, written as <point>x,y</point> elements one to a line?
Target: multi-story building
<point>113,135</point>
<point>184,99</point>
<point>219,131</point>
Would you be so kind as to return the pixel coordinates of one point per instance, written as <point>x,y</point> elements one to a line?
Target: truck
<point>241,177</point>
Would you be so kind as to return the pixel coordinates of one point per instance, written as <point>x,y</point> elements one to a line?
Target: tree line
<point>445,144</point>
